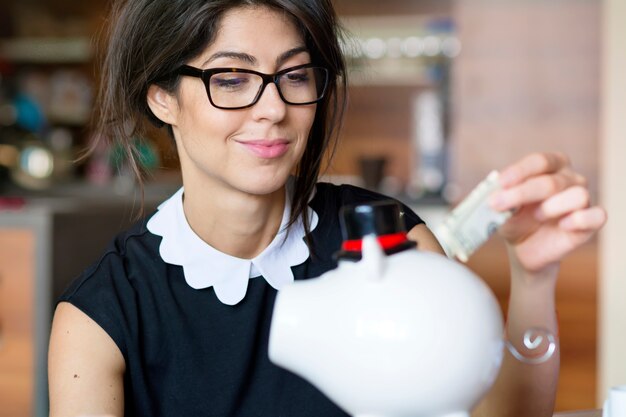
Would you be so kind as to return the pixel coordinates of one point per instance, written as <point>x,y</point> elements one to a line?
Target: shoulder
<point>108,290</point>
<point>125,252</point>
<point>346,193</point>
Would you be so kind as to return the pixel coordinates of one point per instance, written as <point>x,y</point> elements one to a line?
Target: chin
<point>264,185</point>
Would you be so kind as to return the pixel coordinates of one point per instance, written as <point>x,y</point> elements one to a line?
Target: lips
<point>266,148</point>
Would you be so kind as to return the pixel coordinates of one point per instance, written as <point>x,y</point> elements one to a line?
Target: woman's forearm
<point>524,389</point>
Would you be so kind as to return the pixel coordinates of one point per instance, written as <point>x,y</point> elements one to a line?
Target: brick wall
<point>526,80</point>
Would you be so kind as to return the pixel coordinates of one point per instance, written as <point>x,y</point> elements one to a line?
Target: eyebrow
<point>249,59</point>
<point>288,54</point>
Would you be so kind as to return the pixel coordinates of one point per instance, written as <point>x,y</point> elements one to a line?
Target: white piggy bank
<point>407,335</point>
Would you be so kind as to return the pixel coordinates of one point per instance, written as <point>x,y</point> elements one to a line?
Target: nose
<point>270,105</point>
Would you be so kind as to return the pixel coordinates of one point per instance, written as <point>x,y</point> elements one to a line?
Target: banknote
<point>472,221</point>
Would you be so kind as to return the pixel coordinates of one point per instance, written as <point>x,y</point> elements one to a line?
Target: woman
<point>174,318</point>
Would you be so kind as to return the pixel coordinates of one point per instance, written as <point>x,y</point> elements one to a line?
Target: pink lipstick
<point>266,148</point>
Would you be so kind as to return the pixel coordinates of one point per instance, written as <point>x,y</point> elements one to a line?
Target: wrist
<point>532,297</point>
<point>544,278</point>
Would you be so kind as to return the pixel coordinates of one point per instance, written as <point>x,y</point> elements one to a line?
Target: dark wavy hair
<point>147,40</point>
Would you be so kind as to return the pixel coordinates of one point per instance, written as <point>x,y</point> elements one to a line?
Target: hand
<point>553,214</point>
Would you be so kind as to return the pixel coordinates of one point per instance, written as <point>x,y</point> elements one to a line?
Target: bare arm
<point>523,389</point>
<point>520,389</point>
<point>553,217</point>
<point>425,239</point>
<point>85,367</point>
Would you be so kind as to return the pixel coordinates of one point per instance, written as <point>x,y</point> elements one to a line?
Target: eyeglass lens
<point>239,89</point>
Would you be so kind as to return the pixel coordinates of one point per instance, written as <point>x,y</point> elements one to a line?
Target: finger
<point>567,201</point>
<point>577,178</point>
<point>532,165</point>
<point>589,219</point>
<point>533,190</point>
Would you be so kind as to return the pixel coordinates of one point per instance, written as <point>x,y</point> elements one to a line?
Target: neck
<point>235,223</point>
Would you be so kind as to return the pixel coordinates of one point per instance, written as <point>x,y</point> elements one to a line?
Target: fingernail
<point>497,201</point>
<point>507,178</point>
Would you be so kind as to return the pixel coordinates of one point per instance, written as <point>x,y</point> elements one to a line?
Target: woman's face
<point>252,150</point>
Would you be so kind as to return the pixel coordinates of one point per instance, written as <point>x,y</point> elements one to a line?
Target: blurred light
<point>432,46</point>
<point>37,162</point>
<point>375,48</point>
<point>412,47</point>
<point>394,47</point>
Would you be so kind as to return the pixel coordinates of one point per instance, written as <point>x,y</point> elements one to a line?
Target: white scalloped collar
<point>205,266</point>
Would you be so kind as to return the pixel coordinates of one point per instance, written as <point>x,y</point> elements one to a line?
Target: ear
<point>162,104</point>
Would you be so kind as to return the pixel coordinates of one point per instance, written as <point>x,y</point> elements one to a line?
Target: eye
<point>297,77</point>
<point>229,81</point>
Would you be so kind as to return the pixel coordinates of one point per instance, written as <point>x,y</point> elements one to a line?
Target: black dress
<point>187,354</point>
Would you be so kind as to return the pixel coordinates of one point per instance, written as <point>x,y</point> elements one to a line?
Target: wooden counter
<point>42,248</point>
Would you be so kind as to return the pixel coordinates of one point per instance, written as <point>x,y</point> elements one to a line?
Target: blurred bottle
<point>27,161</point>
<point>24,158</point>
<point>429,167</point>
<point>147,158</point>
<point>372,170</point>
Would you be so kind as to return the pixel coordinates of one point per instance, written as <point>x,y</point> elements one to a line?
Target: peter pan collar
<point>205,266</point>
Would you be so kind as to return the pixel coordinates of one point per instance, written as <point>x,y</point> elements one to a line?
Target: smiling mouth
<point>267,149</point>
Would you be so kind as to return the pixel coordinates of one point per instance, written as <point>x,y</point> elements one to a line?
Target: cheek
<point>305,119</point>
<point>206,125</point>
<point>194,111</point>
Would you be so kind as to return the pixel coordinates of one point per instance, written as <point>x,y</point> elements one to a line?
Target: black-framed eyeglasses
<point>235,88</point>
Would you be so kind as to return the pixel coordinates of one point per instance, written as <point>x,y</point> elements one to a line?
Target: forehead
<point>256,30</point>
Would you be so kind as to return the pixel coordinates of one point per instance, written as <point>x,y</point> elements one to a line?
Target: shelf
<point>47,50</point>
<point>390,81</point>
<point>66,118</point>
<point>391,76</point>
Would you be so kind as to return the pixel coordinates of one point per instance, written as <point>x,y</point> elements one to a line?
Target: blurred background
<point>441,93</point>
